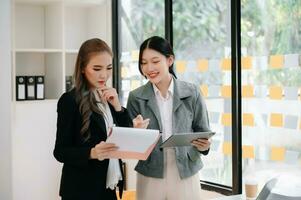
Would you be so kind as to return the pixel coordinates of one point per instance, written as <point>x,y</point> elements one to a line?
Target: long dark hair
<point>84,96</point>
<point>160,45</point>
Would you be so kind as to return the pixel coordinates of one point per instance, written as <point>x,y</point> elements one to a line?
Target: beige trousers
<point>171,187</point>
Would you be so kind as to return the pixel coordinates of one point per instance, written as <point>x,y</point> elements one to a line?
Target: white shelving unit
<point>48,34</point>
<point>46,37</point>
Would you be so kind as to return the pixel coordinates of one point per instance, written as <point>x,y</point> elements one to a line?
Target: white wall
<point>5,102</point>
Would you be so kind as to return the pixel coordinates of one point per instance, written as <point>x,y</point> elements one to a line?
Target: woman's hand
<point>110,95</point>
<point>201,144</point>
<point>101,151</point>
<point>139,122</point>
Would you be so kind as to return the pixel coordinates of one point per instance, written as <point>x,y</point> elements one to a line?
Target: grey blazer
<point>189,115</point>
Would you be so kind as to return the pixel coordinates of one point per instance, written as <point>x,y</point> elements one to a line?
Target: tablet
<point>185,139</point>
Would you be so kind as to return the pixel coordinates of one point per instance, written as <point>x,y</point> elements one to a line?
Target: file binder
<point>30,88</point>
<point>68,83</point>
<point>20,88</point>
<point>39,87</point>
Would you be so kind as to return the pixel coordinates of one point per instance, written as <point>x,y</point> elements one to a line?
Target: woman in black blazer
<point>85,115</point>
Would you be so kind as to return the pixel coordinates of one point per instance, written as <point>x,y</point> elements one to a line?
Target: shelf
<point>39,50</point>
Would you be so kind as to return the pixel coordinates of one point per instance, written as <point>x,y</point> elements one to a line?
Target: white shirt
<point>165,108</point>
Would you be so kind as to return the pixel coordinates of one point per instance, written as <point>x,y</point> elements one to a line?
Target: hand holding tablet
<point>185,139</point>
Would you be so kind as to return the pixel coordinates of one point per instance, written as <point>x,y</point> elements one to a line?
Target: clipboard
<point>185,139</point>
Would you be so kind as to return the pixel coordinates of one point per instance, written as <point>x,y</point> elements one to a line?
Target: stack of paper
<point>133,143</point>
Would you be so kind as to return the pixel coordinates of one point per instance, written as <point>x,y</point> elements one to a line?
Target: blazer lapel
<point>99,121</point>
<point>149,95</point>
<point>179,94</point>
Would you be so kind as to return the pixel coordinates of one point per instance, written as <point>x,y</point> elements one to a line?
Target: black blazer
<point>83,178</point>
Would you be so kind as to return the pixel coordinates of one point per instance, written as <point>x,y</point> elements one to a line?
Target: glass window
<point>139,21</point>
<point>271,82</point>
<point>202,42</point>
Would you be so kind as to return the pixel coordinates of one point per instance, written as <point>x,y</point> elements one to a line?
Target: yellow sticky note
<point>275,92</point>
<point>276,61</point>
<point>248,151</point>
<point>204,90</point>
<point>135,55</point>
<point>276,120</point>
<point>277,153</point>
<point>124,72</point>
<point>135,84</point>
<point>227,148</point>
<point>203,65</point>
<point>226,119</point>
<point>181,66</point>
<point>247,91</point>
<point>246,62</point>
<point>300,125</point>
<point>248,119</point>
<point>226,91</point>
<point>226,64</point>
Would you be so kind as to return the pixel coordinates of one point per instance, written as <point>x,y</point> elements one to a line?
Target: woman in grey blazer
<point>172,106</point>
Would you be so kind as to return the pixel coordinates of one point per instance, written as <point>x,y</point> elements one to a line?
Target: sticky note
<point>204,90</point>
<point>248,119</point>
<point>214,90</point>
<point>203,65</point>
<point>291,60</point>
<point>276,120</point>
<point>226,119</point>
<point>247,91</point>
<point>246,62</point>
<point>214,65</point>
<point>226,91</point>
<point>214,117</point>
<point>291,157</point>
<point>227,148</point>
<point>181,66</point>
<point>291,93</point>
<point>135,55</point>
<point>277,153</point>
<point>290,122</point>
<point>124,72</point>
<point>248,151</point>
<point>226,64</point>
<point>275,92</point>
<point>276,61</point>
<point>135,84</point>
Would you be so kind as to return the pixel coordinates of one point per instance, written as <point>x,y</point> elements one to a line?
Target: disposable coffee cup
<point>251,187</point>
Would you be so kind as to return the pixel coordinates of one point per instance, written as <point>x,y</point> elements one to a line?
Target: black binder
<point>30,88</point>
<point>20,88</point>
<point>39,87</point>
<point>68,83</point>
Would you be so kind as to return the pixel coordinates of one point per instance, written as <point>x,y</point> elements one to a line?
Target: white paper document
<point>133,143</point>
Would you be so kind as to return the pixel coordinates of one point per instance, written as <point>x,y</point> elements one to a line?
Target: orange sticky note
<point>227,148</point>
<point>247,91</point>
<point>248,119</point>
<point>181,66</point>
<point>277,153</point>
<point>226,119</point>
<point>203,65</point>
<point>226,91</point>
<point>246,62</point>
<point>226,64</point>
<point>248,151</point>
<point>276,120</point>
<point>204,90</point>
<point>275,92</point>
<point>276,61</point>
<point>135,55</point>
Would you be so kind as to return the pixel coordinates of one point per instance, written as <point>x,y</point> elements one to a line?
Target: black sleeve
<point>65,150</point>
<point>122,117</point>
